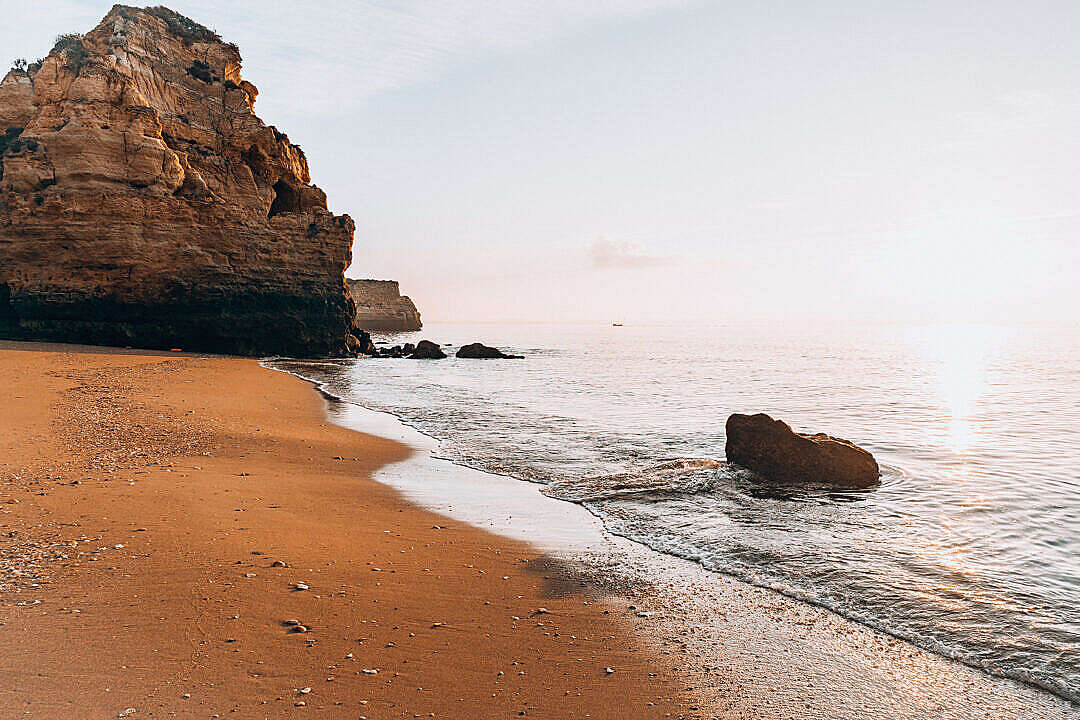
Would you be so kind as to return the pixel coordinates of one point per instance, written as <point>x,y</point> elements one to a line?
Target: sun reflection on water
<point>962,356</point>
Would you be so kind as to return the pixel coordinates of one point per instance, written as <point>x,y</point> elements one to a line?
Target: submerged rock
<point>427,350</point>
<point>773,450</point>
<point>483,352</point>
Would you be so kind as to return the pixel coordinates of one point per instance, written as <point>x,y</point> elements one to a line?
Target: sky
<point>668,160</point>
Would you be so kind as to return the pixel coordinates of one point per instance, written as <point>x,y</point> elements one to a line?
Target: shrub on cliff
<point>8,138</point>
<point>201,71</point>
<point>183,27</point>
<point>19,64</point>
<point>72,48</point>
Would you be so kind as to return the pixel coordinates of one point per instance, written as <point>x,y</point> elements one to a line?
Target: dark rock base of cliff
<point>254,323</point>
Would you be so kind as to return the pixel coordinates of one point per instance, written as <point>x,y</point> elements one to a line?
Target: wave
<point>684,475</point>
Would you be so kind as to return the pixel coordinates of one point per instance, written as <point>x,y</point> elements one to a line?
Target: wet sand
<point>162,517</point>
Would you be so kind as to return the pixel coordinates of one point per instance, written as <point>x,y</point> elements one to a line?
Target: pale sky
<point>651,160</point>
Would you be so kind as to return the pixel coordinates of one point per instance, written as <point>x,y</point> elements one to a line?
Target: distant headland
<point>381,306</point>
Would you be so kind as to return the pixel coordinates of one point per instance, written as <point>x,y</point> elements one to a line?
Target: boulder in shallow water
<point>483,352</point>
<point>773,450</point>
<point>427,350</point>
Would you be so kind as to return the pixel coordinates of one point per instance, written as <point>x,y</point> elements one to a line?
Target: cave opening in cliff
<point>286,199</point>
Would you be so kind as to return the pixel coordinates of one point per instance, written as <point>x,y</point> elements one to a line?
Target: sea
<point>969,548</point>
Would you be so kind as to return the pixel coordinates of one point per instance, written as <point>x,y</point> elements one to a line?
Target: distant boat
<point>616,324</point>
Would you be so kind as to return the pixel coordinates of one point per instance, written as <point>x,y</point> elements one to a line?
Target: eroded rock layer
<point>381,306</point>
<point>143,203</point>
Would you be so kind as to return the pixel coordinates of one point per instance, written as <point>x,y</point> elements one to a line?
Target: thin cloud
<point>605,253</point>
<point>339,54</point>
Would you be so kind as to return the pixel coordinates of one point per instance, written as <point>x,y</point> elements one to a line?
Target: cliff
<point>143,203</point>
<point>381,306</point>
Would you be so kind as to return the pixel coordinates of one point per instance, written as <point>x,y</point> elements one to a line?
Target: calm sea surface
<point>970,547</point>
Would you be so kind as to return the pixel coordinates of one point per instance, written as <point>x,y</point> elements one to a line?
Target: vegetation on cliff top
<point>21,65</point>
<point>71,46</point>
<point>184,27</point>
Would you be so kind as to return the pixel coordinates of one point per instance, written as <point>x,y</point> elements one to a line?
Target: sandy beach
<point>192,536</point>
<point>165,516</point>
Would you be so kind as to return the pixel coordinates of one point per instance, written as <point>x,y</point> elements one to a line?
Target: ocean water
<point>970,547</point>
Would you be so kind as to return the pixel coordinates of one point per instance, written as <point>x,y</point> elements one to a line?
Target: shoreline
<point>195,474</point>
<point>147,499</point>
<point>929,682</point>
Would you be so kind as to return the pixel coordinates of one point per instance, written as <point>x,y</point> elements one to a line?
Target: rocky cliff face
<point>381,306</point>
<point>143,203</point>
